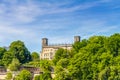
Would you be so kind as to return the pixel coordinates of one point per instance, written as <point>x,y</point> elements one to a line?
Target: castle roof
<point>58,45</point>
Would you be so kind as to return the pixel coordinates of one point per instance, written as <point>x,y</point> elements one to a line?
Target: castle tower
<point>76,39</point>
<point>44,42</point>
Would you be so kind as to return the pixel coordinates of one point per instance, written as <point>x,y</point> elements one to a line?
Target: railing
<point>3,73</point>
<point>60,45</point>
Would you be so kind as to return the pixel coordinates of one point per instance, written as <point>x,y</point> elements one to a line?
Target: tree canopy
<point>35,56</point>
<point>97,58</point>
<point>15,64</point>
<point>18,50</point>
<point>24,75</point>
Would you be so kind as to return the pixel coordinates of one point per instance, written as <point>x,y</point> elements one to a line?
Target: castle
<point>48,51</point>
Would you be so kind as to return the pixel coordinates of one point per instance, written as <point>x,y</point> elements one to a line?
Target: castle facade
<point>48,51</point>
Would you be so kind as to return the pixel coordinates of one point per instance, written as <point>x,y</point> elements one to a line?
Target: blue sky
<point>58,20</point>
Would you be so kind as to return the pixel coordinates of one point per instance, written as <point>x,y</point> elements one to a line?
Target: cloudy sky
<point>58,20</point>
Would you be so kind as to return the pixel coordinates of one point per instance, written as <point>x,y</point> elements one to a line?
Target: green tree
<point>97,58</point>
<point>2,51</point>
<point>33,64</point>
<point>46,76</point>
<point>61,70</point>
<point>37,77</point>
<point>60,53</point>
<point>17,50</point>
<point>63,62</point>
<point>24,75</point>
<point>104,74</point>
<point>20,51</point>
<point>9,76</point>
<point>35,56</point>
<point>7,58</point>
<point>45,65</point>
<point>113,44</point>
<point>61,73</point>
<point>78,45</point>
<point>14,66</point>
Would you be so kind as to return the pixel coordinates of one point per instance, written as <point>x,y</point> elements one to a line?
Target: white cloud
<point>14,15</point>
<point>29,36</point>
<point>14,12</point>
<point>28,11</point>
<point>8,33</point>
<point>50,9</point>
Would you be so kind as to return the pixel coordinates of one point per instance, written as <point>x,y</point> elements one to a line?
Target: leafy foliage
<point>20,51</point>
<point>97,58</point>
<point>16,50</point>
<point>33,64</point>
<point>46,76</point>
<point>37,77</point>
<point>60,54</point>
<point>45,65</point>
<point>14,66</point>
<point>2,51</point>
<point>24,75</point>
<point>35,56</point>
<point>9,76</point>
<point>7,58</point>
